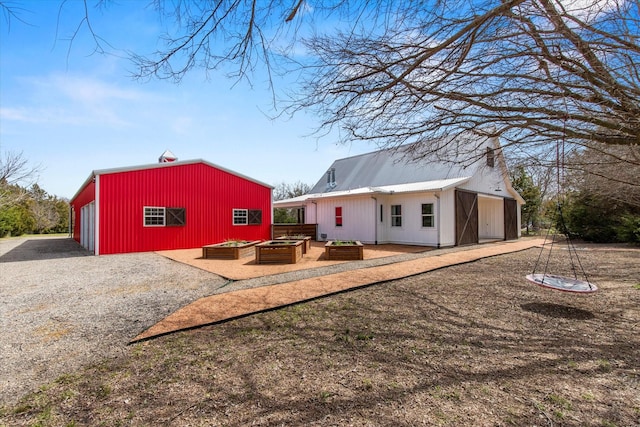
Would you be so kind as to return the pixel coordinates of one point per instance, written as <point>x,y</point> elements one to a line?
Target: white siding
<point>358,219</point>
<point>411,231</point>
<point>310,211</point>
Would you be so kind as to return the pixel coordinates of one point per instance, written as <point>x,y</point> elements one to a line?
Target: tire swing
<point>573,284</point>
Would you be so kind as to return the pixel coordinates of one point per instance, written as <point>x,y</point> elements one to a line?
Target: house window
<point>338,216</point>
<point>427,215</point>
<point>153,216</point>
<point>396,215</point>
<point>156,216</point>
<point>491,157</point>
<point>381,211</point>
<point>240,217</point>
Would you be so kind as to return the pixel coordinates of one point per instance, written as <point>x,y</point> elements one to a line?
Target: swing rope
<point>553,281</point>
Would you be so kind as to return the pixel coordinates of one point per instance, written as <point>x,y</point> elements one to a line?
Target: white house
<point>381,197</point>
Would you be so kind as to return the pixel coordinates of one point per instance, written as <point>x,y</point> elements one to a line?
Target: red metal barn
<point>175,205</point>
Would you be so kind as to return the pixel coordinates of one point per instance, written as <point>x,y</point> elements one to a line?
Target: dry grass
<point>468,345</point>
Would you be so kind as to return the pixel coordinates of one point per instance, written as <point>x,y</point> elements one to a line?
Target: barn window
<point>247,217</point>
<point>153,216</point>
<point>338,216</point>
<point>156,216</point>
<point>396,215</point>
<point>240,217</point>
<point>255,216</point>
<point>491,157</point>
<point>175,217</point>
<point>427,215</point>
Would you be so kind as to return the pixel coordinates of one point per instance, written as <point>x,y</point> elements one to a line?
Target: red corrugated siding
<point>87,195</point>
<point>207,193</point>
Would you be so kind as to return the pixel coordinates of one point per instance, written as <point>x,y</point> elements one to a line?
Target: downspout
<point>437,196</point>
<point>375,220</point>
<point>316,218</point>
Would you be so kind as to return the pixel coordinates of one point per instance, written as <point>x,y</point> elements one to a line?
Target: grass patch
<point>451,347</point>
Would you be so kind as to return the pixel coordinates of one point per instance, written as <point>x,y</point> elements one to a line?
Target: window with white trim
<point>396,215</point>
<point>158,216</point>
<point>153,216</point>
<point>428,218</point>
<point>240,217</point>
<point>247,217</point>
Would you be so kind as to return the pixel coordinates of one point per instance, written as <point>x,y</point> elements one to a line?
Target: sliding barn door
<point>466,218</point>
<point>510,219</point>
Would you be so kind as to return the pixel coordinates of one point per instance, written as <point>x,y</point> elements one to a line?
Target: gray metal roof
<point>386,167</point>
<point>436,185</point>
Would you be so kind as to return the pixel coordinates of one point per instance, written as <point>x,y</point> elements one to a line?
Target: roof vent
<point>167,157</point>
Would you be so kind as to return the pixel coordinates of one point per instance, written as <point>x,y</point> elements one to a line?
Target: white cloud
<point>77,100</point>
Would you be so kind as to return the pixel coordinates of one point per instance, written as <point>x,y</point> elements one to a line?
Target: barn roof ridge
<point>147,166</point>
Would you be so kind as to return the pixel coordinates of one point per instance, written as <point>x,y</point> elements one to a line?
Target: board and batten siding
<point>411,232</point>
<point>361,219</point>
<point>358,219</point>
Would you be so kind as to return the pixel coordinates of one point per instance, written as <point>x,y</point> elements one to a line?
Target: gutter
<point>375,219</point>
<point>437,196</point>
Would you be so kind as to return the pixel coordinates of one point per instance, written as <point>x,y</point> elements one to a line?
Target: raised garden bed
<point>234,249</point>
<point>306,241</point>
<point>344,250</point>
<point>279,252</point>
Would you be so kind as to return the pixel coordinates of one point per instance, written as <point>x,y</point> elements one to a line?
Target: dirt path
<point>218,308</point>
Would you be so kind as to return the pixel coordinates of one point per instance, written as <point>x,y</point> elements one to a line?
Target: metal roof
<point>435,185</point>
<point>386,167</point>
<point>393,171</point>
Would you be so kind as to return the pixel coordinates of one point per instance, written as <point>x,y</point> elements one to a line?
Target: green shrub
<point>629,228</point>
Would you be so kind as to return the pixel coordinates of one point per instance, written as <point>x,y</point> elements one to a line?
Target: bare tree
<point>287,191</point>
<point>394,72</point>
<point>16,174</point>
<point>533,72</point>
<point>609,172</point>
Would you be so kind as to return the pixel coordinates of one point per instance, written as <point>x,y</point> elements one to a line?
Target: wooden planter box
<point>343,251</point>
<point>279,252</point>
<point>306,242</point>
<point>228,250</point>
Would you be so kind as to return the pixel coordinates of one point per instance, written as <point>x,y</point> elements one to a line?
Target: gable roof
<point>386,167</point>
<point>413,187</point>
<point>390,171</point>
<point>98,172</point>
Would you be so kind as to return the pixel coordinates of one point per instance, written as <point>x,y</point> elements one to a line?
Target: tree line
<point>25,207</point>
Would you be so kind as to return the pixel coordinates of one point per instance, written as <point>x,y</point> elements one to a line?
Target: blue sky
<point>72,111</point>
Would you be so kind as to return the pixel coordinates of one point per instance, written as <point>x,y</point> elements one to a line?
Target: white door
<point>88,226</point>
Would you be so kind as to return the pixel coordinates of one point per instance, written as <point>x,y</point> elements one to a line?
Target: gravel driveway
<point>61,307</point>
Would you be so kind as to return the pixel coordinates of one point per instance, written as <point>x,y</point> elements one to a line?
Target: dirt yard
<point>470,345</point>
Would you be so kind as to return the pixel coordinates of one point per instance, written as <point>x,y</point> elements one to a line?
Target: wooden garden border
<point>279,252</point>
<point>226,251</point>
<point>344,251</point>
